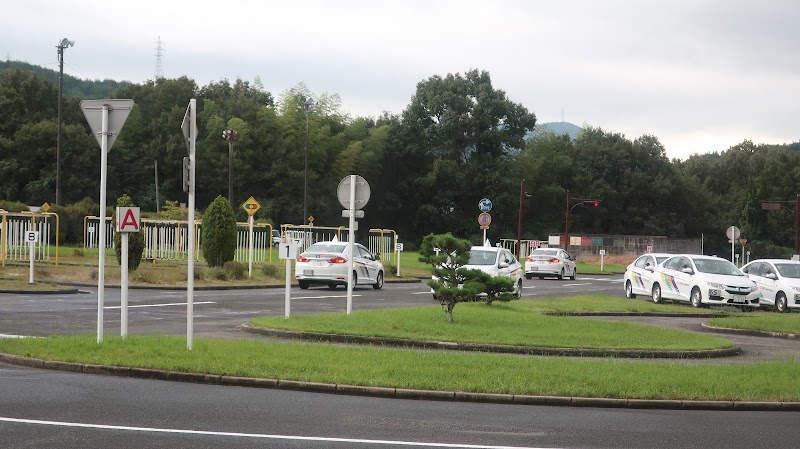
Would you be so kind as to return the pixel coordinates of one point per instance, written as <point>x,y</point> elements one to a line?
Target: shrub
<point>270,270</point>
<point>143,277</point>
<point>78,252</point>
<point>219,274</point>
<point>219,233</point>
<point>236,270</point>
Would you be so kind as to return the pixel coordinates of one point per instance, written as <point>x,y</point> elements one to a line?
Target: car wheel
<point>697,298</point>
<point>657,294</point>
<point>540,277</point>
<point>355,279</point>
<point>629,290</point>
<point>303,284</point>
<point>332,286</point>
<point>561,275</point>
<point>378,281</point>
<point>518,291</point>
<point>574,273</point>
<point>780,303</point>
<point>528,276</point>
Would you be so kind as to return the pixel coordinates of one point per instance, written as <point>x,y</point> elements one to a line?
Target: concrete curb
<point>398,393</point>
<point>755,333</point>
<point>504,349</point>
<point>656,314</point>
<point>41,292</point>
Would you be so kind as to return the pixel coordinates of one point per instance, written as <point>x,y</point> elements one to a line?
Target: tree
<point>135,240</point>
<point>452,283</point>
<point>219,233</point>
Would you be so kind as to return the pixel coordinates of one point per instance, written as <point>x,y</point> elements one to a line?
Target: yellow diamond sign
<point>46,207</point>
<point>251,206</point>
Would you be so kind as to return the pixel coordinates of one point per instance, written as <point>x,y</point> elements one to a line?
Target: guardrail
<point>13,228</point>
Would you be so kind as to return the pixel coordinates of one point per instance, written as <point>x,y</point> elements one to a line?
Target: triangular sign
<point>118,111</point>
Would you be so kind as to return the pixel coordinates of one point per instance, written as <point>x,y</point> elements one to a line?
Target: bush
<point>219,233</point>
<point>270,270</point>
<point>236,270</point>
<point>219,274</point>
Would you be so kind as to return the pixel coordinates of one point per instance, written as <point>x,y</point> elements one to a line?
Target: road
<point>45,409</point>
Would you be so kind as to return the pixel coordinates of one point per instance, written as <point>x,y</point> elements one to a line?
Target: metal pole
<point>352,236</point>
<point>123,283</point>
<point>250,246</point>
<point>796,222</point>
<point>305,175</point>
<point>58,133</point>
<point>101,269</point>
<point>155,166</point>
<point>190,225</point>
<point>566,229</point>
<point>519,223</point>
<point>230,171</point>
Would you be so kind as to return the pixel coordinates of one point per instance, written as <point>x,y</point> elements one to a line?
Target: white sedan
<point>550,262</point>
<point>326,263</point>
<point>704,281</point>
<point>638,276</point>
<point>495,262</point>
<point>778,280</point>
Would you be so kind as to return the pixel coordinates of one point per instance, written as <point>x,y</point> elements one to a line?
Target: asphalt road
<point>46,409</point>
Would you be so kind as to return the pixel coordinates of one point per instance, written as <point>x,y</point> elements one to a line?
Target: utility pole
<point>65,43</point>
<point>230,135</point>
<point>309,103</point>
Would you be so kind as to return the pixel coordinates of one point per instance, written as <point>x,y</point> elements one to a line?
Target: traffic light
<point>596,204</point>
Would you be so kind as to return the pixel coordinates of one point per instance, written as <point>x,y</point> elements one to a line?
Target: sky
<point>699,75</point>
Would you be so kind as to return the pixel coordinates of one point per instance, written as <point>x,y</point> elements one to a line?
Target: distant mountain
<point>559,128</point>
<point>73,87</point>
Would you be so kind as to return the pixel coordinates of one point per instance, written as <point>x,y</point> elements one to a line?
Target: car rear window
<point>544,252</point>
<point>482,257</point>
<point>326,248</point>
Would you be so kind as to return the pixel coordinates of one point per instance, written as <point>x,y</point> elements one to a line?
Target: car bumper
<point>722,297</point>
<point>321,274</point>
<point>543,269</point>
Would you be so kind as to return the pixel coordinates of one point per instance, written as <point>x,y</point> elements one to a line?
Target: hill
<point>73,87</point>
<point>559,128</point>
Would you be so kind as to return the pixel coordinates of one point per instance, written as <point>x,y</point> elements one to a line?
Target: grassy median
<point>788,323</point>
<point>513,323</point>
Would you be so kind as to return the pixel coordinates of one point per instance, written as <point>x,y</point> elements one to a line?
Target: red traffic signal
<point>596,204</point>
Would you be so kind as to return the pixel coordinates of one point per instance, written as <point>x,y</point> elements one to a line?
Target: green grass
<point>514,323</point>
<point>594,268</point>
<point>433,370</point>
<point>771,322</point>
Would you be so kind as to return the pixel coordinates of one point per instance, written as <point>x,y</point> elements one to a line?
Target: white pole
<point>733,251</point>
<point>123,284</point>
<point>287,295</point>
<point>32,250</point>
<point>250,257</point>
<point>101,269</point>
<point>352,223</point>
<point>398,258</point>
<point>190,274</point>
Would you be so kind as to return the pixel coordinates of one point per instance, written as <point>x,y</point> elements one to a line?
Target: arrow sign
<point>118,111</point>
<point>485,205</point>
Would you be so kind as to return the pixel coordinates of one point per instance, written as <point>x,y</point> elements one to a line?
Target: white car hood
<point>489,269</point>
<point>733,281</point>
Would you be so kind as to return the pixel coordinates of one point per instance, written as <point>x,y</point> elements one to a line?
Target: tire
<point>378,281</point>
<point>518,291</point>
<point>332,286</point>
<point>528,276</point>
<point>574,274</point>
<point>561,275</point>
<point>629,290</point>
<point>355,279</point>
<point>657,293</point>
<point>781,304</point>
<point>696,298</point>
<point>303,284</point>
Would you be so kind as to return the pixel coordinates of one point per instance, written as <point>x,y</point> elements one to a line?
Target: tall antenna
<point>159,50</point>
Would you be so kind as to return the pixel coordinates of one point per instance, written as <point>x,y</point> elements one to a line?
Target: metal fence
<point>14,245</point>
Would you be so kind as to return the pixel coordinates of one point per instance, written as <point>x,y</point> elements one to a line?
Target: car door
<point>757,272</point>
<point>684,278</point>
<point>642,276</point>
<point>569,264</point>
<point>667,277</point>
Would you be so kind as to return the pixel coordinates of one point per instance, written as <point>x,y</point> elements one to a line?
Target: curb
<point>505,349</point>
<point>655,314</point>
<point>398,393</point>
<point>752,332</point>
<point>41,292</point>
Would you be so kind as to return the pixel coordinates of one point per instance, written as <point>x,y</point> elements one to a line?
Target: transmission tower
<point>159,51</point>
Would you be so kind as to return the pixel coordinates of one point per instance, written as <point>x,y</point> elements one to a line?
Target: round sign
<point>362,192</point>
<point>485,205</point>
<point>484,219</point>
<point>733,233</point>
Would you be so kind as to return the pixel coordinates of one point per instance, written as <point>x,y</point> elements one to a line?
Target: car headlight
<point>715,285</point>
<point>797,289</point>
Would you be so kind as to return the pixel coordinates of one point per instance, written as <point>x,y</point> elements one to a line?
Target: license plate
<point>308,272</point>
<point>318,263</point>
<point>739,299</point>
<point>534,268</point>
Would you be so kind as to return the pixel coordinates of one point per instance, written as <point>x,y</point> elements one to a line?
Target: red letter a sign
<point>128,219</point>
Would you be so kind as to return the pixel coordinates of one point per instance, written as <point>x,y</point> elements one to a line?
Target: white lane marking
<point>575,285</point>
<point>421,293</point>
<point>161,305</point>
<point>16,336</point>
<point>323,297</point>
<point>254,435</point>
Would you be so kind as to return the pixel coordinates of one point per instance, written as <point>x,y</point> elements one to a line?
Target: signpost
<point>287,251</point>
<point>399,248</point>
<point>742,242</point>
<point>189,130</point>
<point>250,206</point>
<point>485,205</point>
<point>353,194</point>
<point>484,220</point>
<point>733,233</point>
<point>105,118</point>
<point>128,220</point>
<point>31,237</point>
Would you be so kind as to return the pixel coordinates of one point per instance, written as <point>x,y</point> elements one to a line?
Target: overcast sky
<point>700,75</point>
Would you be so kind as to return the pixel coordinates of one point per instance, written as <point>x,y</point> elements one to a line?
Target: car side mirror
<point>649,268</point>
<point>687,270</point>
<point>771,276</point>
<point>503,264</point>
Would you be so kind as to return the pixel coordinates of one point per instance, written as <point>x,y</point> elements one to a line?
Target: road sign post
<point>287,251</point>
<point>251,206</point>
<point>32,237</point>
<point>105,118</point>
<point>189,129</point>
<point>127,220</point>
<point>353,193</point>
<point>733,233</point>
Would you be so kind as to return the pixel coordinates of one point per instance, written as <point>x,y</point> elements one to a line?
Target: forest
<point>460,139</point>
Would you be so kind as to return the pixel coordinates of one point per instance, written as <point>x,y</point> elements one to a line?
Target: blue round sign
<point>485,205</point>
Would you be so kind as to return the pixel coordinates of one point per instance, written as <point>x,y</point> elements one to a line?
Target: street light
<point>307,106</point>
<point>577,202</point>
<point>65,43</point>
<point>230,135</point>
<point>522,195</point>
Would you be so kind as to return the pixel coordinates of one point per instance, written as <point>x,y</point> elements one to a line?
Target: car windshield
<point>326,248</point>
<point>482,257</point>
<point>660,259</point>
<point>712,266</point>
<point>544,252</point>
<point>788,270</point>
